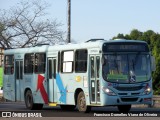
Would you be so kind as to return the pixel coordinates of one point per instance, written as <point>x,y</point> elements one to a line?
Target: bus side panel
<point>31,82</point>
<point>67,87</point>
<point>9,87</point>
<point>64,94</point>
<point>61,89</point>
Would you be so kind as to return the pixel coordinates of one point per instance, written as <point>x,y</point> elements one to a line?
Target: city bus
<point>90,74</point>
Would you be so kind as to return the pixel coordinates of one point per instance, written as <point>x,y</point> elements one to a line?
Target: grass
<point>1,76</point>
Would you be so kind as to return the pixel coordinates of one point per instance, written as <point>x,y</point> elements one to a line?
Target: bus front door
<point>94,79</point>
<point>51,79</point>
<point>19,80</point>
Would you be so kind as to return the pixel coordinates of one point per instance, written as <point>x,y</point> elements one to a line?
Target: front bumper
<point>126,100</point>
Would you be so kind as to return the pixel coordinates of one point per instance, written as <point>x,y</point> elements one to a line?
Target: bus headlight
<point>147,90</point>
<point>108,91</point>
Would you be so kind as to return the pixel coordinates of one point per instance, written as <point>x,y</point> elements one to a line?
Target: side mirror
<point>153,63</point>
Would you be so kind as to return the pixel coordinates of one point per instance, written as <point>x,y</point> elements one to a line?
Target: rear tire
<point>67,107</point>
<point>29,102</point>
<point>81,103</point>
<point>124,108</point>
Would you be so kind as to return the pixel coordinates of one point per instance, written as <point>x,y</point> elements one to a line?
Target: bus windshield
<point>126,68</point>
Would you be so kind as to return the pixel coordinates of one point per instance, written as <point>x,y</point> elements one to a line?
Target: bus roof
<point>70,46</point>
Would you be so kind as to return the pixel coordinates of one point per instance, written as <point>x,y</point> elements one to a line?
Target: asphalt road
<point>109,113</point>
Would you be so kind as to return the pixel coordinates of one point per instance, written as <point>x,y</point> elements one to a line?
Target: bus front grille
<point>129,99</point>
<point>129,88</point>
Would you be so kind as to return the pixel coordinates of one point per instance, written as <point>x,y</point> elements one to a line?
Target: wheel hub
<point>82,102</point>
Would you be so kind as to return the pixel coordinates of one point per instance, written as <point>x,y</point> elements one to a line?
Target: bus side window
<point>40,60</point>
<point>81,61</point>
<point>28,63</point>
<point>9,64</point>
<point>67,61</point>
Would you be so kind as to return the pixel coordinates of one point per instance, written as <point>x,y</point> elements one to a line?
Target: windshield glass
<point>126,68</point>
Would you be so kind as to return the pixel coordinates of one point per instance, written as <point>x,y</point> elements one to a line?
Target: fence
<point>156,101</point>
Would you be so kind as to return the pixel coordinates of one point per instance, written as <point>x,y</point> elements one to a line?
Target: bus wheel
<point>67,107</point>
<point>124,108</point>
<point>29,102</point>
<point>81,103</point>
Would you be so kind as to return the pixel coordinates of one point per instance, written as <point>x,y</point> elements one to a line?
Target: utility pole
<point>69,22</point>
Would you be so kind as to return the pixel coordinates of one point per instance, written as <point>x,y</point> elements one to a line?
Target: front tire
<point>81,103</point>
<point>124,108</point>
<point>29,102</point>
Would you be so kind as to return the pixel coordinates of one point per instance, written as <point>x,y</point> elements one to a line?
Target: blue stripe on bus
<point>61,88</point>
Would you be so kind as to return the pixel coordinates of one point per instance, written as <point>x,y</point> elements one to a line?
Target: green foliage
<point>153,40</point>
<point>1,77</point>
<point>135,34</point>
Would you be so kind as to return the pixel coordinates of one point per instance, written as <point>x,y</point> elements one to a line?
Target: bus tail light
<point>108,91</point>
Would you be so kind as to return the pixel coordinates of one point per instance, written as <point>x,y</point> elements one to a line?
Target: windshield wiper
<point>134,61</point>
<point>136,58</point>
<point>133,65</point>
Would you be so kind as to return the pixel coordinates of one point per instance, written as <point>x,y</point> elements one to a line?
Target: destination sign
<point>123,47</point>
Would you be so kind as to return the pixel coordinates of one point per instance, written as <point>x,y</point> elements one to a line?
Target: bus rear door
<point>52,92</point>
<point>19,80</point>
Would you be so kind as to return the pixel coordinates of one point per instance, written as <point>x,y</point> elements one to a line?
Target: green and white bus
<point>94,73</point>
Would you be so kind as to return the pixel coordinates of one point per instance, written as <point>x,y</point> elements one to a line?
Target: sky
<point>102,18</point>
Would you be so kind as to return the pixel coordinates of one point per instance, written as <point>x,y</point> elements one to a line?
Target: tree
<point>26,25</point>
<point>147,36</point>
<point>119,36</point>
<point>127,37</point>
<point>135,34</point>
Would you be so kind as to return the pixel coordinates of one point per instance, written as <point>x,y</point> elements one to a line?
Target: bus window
<point>98,65</point>
<point>28,63</point>
<point>67,61</point>
<point>92,68</point>
<point>54,62</point>
<point>50,69</point>
<point>59,61</point>
<point>9,64</point>
<point>81,61</point>
<point>40,60</point>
